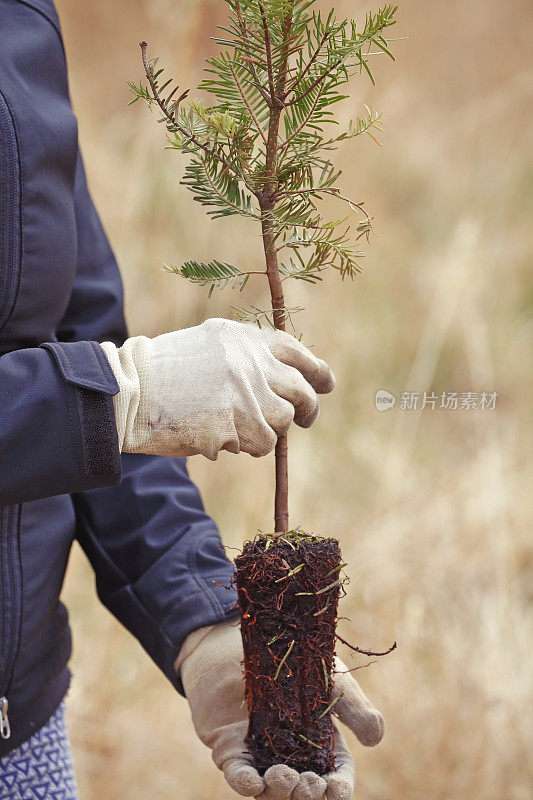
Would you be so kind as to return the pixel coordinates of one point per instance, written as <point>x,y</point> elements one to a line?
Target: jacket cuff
<point>84,366</point>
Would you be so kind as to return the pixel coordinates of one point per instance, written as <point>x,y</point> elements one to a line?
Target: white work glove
<point>211,673</point>
<point>221,385</point>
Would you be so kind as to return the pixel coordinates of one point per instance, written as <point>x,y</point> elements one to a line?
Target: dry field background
<point>432,507</point>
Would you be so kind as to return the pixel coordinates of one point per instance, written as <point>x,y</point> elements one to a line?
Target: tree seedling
<point>260,150</point>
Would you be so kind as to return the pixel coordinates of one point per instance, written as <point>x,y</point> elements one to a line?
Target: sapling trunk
<point>259,152</point>
<point>266,204</point>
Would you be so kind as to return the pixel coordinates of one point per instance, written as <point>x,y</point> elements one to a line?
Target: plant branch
<point>171,117</point>
<point>282,74</point>
<point>351,203</point>
<point>268,50</point>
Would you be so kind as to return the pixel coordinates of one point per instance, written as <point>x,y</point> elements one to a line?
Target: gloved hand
<point>221,385</point>
<point>211,672</point>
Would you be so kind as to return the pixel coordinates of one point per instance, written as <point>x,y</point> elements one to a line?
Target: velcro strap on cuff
<point>84,364</point>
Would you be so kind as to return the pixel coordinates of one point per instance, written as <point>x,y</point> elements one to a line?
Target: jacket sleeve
<point>57,424</point>
<point>159,562</point>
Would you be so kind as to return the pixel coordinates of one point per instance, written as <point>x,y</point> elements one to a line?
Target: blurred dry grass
<point>432,508</point>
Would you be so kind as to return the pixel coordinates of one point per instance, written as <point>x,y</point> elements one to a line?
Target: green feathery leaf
<point>215,274</point>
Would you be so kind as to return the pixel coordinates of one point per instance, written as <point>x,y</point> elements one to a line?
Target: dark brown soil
<point>288,591</point>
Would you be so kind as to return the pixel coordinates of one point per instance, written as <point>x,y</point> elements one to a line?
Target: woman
<point>86,418</point>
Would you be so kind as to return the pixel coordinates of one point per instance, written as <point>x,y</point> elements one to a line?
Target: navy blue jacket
<point>155,552</point>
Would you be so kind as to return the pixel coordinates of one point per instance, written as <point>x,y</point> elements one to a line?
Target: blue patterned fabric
<point>41,768</point>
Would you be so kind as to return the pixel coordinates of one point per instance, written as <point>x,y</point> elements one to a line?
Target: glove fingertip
<point>244,779</point>
<point>372,732</point>
<point>280,781</point>
<point>310,787</point>
<point>306,420</point>
<point>339,789</point>
<point>329,381</point>
<point>367,724</point>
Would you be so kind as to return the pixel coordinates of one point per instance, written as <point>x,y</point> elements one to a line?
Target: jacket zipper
<point>5,729</point>
<point>11,592</point>
<point>10,212</point>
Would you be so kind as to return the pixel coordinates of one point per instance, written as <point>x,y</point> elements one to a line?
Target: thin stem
<point>281,499</point>
<point>351,203</point>
<point>266,201</point>
<point>282,74</point>
<point>268,49</point>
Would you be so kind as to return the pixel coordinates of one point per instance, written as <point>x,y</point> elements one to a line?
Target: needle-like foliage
<point>284,61</point>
